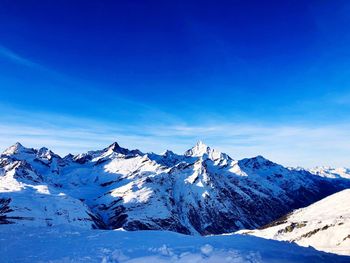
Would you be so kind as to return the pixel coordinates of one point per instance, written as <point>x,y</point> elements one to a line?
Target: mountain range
<point>200,192</point>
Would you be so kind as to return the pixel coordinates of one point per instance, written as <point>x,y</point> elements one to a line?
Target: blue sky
<point>246,77</point>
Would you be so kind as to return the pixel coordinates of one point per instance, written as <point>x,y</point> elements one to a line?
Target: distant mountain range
<point>201,192</point>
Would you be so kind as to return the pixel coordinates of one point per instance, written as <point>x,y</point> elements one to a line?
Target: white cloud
<point>289,145</point>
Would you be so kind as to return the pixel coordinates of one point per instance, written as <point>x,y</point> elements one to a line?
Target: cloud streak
<point>16,58</point>
<point>291,145</point>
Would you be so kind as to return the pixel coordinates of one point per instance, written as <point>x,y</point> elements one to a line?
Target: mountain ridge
<point>202,191</point>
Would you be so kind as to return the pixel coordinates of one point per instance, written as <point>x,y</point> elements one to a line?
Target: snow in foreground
<point>22,244</point>
<point>324,225</point>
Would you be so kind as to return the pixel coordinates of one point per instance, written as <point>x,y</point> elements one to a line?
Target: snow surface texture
<point>23,244</point>
<point>325,225</point>
<point>330,172</point>
<point>201,192</point>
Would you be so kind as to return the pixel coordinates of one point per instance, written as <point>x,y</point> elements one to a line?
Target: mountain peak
<point>257,163</point>
<point>200,143</point>
<point>43,150</point>
<point>201,149</point>
<point>168,153</point>
<point>16,148</point>
<point>260,158</point>
<point>198,150</point>
<point>114,147</point>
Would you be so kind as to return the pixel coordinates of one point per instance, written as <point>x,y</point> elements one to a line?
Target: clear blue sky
<point>247,77</point>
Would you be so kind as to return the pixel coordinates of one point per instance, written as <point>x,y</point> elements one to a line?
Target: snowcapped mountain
<point>25,197</point>
<point>326,171</point>
<point>202,191</point>
<point>325,225</point>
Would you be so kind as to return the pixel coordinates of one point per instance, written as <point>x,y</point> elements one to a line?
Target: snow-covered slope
<point>326,171</point>
<point>33,207</point>
<point>26,199</point>
<point>324,225</point>
<point>203,191</point>
<point>76,245</point>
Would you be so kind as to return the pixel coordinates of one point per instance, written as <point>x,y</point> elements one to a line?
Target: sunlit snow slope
<point>330,172</point>
<point>324,225</point>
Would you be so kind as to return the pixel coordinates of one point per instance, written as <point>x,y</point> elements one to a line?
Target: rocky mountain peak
<point>204,151</point>
<point>114,147</point>
<point>198,150</point>
<point>16,148</point>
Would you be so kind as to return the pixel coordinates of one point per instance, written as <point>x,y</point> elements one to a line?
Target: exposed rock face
<point>202,192</point>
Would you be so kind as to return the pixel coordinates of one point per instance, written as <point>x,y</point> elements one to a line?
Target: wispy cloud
<point>290,145</point>
<point>67,84</point>
<point>157,130</point>
<point>18,59</point>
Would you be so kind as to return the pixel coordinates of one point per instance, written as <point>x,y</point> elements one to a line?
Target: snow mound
<point>324,225</point>
<point>72,245</point>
